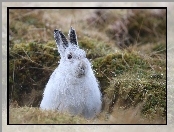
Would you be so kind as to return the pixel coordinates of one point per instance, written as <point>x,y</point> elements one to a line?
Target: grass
<point>31,115</point>
<point>132,77</point>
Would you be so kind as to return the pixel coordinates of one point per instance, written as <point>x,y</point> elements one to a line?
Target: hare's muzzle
<point>81,69</point>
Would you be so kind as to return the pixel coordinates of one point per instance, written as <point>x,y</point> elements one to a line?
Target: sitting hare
<point>72,87</point>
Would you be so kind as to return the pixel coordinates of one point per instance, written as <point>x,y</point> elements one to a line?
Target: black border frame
<point>76,8</point>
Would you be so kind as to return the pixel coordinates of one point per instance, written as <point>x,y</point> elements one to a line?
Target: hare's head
<point>73,59</point>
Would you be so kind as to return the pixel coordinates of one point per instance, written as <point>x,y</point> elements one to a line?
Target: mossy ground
<point>129,78</point>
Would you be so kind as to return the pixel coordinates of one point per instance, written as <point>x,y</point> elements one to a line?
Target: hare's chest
<point>75,94</point>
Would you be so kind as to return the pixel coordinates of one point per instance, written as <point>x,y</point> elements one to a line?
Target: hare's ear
<point>60,38</point>
<point>61,41</point>
<point>73,36</point>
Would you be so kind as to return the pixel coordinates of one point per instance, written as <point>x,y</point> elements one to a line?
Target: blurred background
<point>117,27</point>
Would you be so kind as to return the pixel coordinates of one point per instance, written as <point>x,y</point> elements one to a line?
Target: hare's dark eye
<point>69,56</point>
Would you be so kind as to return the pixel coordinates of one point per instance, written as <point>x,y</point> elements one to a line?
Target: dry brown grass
<point>33,115</point>
<point>128,116</point>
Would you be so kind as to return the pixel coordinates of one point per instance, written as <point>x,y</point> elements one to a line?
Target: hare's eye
<point>69,56</point>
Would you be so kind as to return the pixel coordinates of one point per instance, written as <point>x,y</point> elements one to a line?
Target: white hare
<point>72,87</point>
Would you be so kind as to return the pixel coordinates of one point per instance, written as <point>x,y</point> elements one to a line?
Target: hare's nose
<point>82,68</point>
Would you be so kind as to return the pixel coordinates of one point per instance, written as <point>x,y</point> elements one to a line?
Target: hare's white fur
<point>72,87</point>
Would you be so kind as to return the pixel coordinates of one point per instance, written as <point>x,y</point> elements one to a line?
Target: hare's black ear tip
<point>56,30</point>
